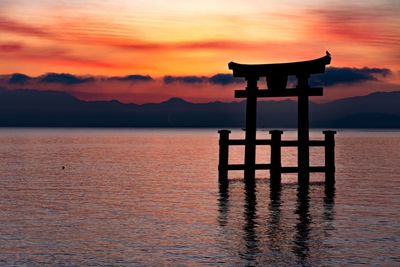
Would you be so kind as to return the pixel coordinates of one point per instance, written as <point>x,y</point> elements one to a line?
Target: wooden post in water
<point>250,136</point>
<point>275,170</point>
<point>303,152</point>
<point>329,157</point>
<point>223,156</point>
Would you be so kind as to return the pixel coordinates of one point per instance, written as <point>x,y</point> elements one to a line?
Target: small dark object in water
<point>63,167</point>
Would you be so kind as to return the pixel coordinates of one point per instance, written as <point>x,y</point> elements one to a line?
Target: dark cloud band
<point>220,78</point>
<point>132,78</point>
<point>19,78</point>
<point>184,79</point>
<point>64,78</point>
<point>334,76</point>
<point>331,77</point>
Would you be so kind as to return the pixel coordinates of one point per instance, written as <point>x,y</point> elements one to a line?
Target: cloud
<point>217,79</point>
<point>70,79</point>
<point>132,78</point>
<point>137,88</point>
<point>184,79</point>
<point>216,45</point>
<point>77,34</point>
<point>373,24</point>
<point>142,45</point>
<point>224,79</point>
<point>334,76</point>
<point>13,26</point>
<point>64,78</point>
<point>18,78</point>
<point>10,47</point>
<point>58,57</point>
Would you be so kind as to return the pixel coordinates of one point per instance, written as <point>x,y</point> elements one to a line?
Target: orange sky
<point>174,37</point>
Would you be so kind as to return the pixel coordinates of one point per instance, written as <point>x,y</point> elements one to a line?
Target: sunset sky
<point>101,43</point>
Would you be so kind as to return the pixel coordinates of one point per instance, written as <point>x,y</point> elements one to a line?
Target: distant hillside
<point>31,108</point>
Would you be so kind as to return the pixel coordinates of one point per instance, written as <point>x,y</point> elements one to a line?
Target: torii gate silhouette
<point>277,76</point>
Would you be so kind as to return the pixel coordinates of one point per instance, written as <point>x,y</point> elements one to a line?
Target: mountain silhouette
<point>33,108</point>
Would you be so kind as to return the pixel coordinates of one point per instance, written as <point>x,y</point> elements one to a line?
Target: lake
<point>150,197</point>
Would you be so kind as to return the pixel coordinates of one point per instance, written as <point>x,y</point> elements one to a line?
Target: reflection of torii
<point>277,76</point>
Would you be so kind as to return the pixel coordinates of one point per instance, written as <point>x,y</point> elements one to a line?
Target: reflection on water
<point>144,197</point>
<point>301,242</point>
<point>255,249</point>
<point>223,204</point>
<point>274,228</point>
<point>329,202</point>
<point>251,241</point>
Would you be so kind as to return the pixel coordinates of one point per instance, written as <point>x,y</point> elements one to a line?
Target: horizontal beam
<point>296,169</point>
<point>294,143</point>
<point>288,92</point>
<point>263,142</point>
<point>289,143</point>
<point>318,169</point>
<point>316,143</point>
<point>284,143</point>
<point>292,68</point>
<point>291,169</point>
<point>238,142</point>
<point>242,166</point>
<point>235,166</point>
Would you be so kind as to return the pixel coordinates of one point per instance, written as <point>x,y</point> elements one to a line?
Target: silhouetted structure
<point>277,76</point>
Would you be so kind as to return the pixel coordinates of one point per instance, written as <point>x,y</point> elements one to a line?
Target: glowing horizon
<point>158,38</point>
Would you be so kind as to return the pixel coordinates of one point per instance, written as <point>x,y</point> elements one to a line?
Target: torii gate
<point>277,76</point>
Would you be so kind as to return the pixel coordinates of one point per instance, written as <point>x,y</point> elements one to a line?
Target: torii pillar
<point>251,128</point>
<point>303,135</point>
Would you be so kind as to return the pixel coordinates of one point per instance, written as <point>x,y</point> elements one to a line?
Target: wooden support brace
<point>329,157</point>
<point>276,164</point>
<point>223,156</point>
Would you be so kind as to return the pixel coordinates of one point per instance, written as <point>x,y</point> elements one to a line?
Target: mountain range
<point>34,108</point>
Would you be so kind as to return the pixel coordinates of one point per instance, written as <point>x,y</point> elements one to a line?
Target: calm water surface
<point>150,197</point>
